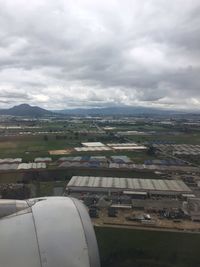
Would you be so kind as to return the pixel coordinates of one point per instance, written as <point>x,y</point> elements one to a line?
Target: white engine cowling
<point>47,232</point>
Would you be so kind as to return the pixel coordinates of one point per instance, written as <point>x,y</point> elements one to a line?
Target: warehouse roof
<point>92,144</point>
<point>92,148</point>
<point>123,144</point>
<point>7,167</point>
<point>31,165</point>
<point>10,160</point>
<point>129,183</point>
<point>43,159</point>
<point>129,147</point>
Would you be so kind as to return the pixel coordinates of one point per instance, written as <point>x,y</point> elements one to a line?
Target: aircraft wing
<point>52,232</point>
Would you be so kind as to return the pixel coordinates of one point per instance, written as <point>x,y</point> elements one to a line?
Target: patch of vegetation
<point>129,247</point>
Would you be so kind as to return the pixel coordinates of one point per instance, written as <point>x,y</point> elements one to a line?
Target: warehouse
<point>111,185</point>
<point>127,146</point>
<point>45,160</point>
<point>120,159</point>
<point>180,149</point>
<point>31,165</point>
<point>122,144</point>
<point>10,161</point>
<point>93,144</point>
<point>193,208</point>
<point>8,167</point>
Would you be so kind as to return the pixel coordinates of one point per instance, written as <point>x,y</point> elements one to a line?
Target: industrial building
<point>127,186</point>
<point>45,160</point>
<point>193,208</point>
<point>180,149</point>
<point>165,162</point>
<point>31,165</point>
<point>127,146</point>
<point>98,146</point>
<point>10,161</point>
<point>8,167</point>
<point>120,159</point>
<point>93,144</point>
<point>92,148</point>
<point>122,144</point>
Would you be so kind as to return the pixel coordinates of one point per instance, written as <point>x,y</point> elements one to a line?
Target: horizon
<point>107,107</point>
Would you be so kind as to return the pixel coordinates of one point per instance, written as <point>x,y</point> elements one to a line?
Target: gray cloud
<point>60,54</point>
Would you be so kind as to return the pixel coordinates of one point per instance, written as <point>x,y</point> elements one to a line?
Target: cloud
<point>60,54</point>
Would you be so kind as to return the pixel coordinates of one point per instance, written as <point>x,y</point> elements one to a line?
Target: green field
<point>30,147</point>
<point>181,138</point>
<point>141,248</point>
<point>72,132</point>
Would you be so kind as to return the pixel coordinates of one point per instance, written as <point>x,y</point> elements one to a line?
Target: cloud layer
<point>85,53</point>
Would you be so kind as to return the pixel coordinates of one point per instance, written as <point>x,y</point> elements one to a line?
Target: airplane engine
<point>46,232</point>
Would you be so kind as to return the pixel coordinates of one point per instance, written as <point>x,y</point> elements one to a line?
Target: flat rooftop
<point>137,184</point>
<point>129,147</point>
<point>93,144</point>
<point>123,144</point>
<point>43,159</point>
<point>31,165</point>
<point>92,148</point>
<point>10,160</point>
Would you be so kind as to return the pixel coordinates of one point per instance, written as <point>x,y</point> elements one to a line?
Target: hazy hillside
<point>26,110</point>
<point>116,111</point>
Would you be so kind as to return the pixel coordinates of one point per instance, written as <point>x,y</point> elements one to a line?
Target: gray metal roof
<point>128,183</point>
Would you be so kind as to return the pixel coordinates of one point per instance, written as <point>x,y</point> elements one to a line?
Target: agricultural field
<point>121,247</point>
<point>30,139</point>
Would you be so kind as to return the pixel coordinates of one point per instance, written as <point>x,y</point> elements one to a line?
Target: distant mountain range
<point>26,110</point>
<point>125,110</point>
<point>34,111</point>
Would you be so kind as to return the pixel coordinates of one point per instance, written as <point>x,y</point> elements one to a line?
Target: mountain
<point>125,110</point>
<point>26,110</point>
<point>34,111</point>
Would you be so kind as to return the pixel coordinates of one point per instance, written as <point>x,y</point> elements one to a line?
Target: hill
<point>26,110</point>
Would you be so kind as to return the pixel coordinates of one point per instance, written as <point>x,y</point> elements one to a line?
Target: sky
<point>100,53</point>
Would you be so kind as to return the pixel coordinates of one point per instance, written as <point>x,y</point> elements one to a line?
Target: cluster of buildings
<point>101,162</point>
<point>133,187</point>
<point>124,162</point>
<point>179,150</point>
<point>10,164</point>
<point>93,161</point>
<point>171,199</point>
<point>167,162</point>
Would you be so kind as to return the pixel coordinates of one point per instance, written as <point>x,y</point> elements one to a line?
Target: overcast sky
<point>94,53</point>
